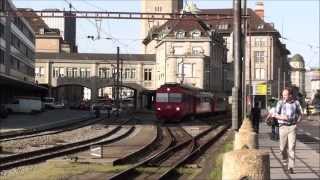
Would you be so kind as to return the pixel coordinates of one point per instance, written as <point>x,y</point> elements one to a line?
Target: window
<point>74,72</point>
<point>185,70</point>
<point>101,73</point>
<point>55,72</point>
<point>61,72</point>
<point>58,72</point>
<point>1,29</point>
<point>127,73</point>
<point>223,26</point>
<point>84,72</point>
<point>259,73</point>
<point>195,34</point>
<point>88,73</point>
<point>158,9</point>
<point>107,73</point>
<point>259,42</point>
<point>39,71</point>
<point>162,97</point>
<point>147,74</point>
<point>1,56</point>
<point>225,41</point>
<point>69,72</point>
<point>197,50</point>
<point>175,97</point>
<point>259,56</point>
<point>133,73</point>
<point>260,26</point>
<point>180,34</point>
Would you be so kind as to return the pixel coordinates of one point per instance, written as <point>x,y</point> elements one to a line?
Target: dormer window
<point>180,34</point>
<point>195,34</point>
<point>223,26</point>
<point>260,26</point>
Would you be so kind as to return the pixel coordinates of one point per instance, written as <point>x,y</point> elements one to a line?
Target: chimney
<point>259,9</point>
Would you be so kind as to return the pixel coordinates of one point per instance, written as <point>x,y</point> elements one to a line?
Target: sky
<point>296,20</point>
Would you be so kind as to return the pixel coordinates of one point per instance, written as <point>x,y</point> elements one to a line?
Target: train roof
<point>181,85</point>
<point>188,87</point>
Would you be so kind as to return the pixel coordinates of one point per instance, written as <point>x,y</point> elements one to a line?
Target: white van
<point>25,105</point>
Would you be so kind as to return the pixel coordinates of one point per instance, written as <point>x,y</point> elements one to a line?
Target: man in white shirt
<point>289,114</point>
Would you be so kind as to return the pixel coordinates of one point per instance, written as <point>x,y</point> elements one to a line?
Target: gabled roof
<point>223,25</point>
<point>187,24</point>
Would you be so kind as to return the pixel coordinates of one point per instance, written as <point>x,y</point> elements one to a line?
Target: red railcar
<point>175,102</point>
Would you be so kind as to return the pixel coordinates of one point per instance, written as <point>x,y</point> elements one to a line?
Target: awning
<point>11,82</point>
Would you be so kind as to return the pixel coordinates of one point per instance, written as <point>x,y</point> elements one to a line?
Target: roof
<point>223,25</point>
<point>34,20</point>
<point>297,58</point>
<point>187,23</point>
<point>256,24</point>
<point>94,56</point>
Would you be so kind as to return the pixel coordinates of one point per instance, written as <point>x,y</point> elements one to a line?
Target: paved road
<point>25,121</point>
<point>309,132</point>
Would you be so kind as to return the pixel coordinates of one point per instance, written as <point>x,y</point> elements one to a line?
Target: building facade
<point>148,26</point>
<point>298,72</point>
<point>312,82</point>
<point>266,57</point>
<point>17,51</point>
<point>95,72</point>
<point>66,25</point>
<point>188,52</point>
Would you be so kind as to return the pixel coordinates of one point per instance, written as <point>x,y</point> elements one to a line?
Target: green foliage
<point>216,173</point>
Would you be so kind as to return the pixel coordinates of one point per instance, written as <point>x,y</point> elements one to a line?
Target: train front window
<point>162,97</point>
<point>175,97</point>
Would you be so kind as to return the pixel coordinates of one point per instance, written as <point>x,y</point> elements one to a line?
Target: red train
<point>175,102</point>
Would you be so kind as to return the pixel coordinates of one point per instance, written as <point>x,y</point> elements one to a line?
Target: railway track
<point>23,134</point>
<point>183,149</point>
<point>32,157</point>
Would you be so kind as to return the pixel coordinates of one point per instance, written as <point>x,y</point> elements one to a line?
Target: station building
<point>265,53</point>
<point>17,52</point>
<point>194,52</point>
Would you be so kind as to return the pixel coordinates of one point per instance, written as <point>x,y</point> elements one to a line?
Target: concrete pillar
<point>246,136</point>
<point>94,94</point>
<point>246,163</point>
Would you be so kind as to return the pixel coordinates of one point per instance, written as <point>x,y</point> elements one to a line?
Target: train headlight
<point>177,108</point>
<point>159,109</point>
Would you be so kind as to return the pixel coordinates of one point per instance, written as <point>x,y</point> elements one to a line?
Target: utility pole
<point>279,79</point>
<point>236,95</point>
<point>117,84</point>
<point>250,89</point>
<point>284,80</point>
<point>244,81</point>
<point>121,80</point>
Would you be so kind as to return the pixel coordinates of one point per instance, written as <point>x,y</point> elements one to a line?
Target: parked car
<point>24,105</point>
<point>50,103</point>
<point>3,112</point>
<point>101,105</point>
